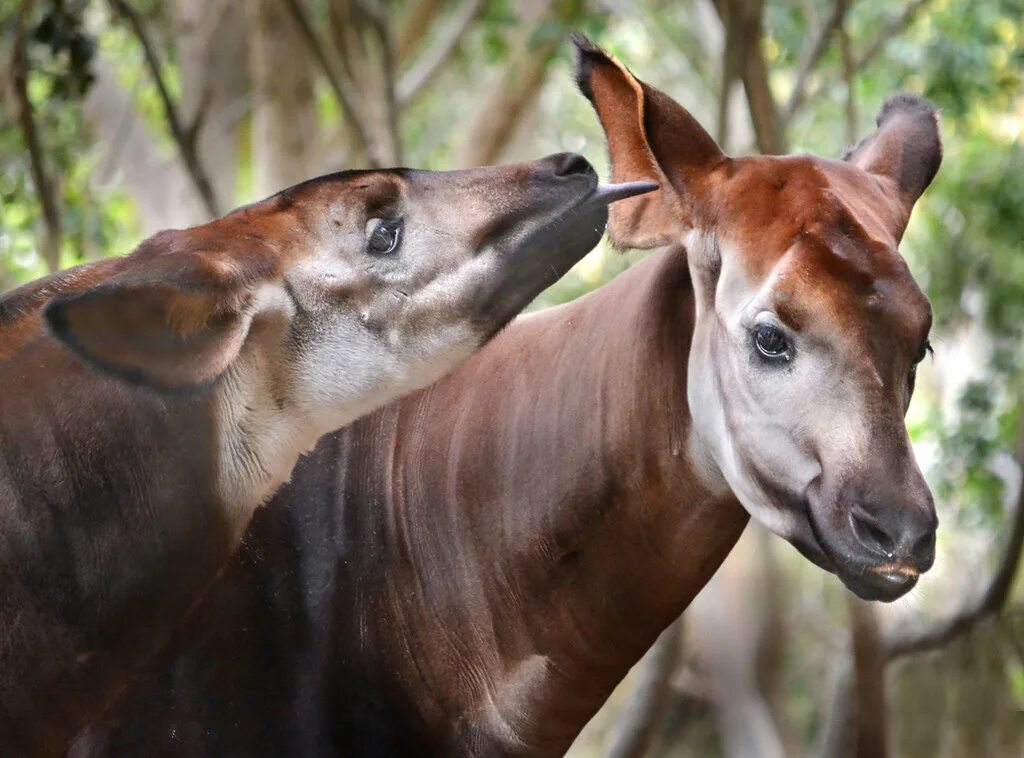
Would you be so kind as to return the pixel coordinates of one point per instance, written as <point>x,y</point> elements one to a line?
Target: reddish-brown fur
<point>471,570</point>
<point>121,429</point>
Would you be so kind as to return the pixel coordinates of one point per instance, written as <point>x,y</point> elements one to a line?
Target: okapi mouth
<point>822,546</point>
<point>883,582</point>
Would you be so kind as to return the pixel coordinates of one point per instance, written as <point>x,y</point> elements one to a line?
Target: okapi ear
<point>650,137</point>
<point>173,321</point>
<point>906,148</point>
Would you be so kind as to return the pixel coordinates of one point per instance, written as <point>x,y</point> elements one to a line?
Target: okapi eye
<point>926,348</point>
<point>385,237</point>
<point>923,352</point>
<point>771,342</point>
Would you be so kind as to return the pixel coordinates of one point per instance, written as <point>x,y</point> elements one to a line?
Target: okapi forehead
<point>370,188</point>
<point>823,232</point>
<point>841,284</point>
<point>764,204</point>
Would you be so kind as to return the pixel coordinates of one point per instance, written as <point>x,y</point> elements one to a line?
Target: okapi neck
<point>595,532</point>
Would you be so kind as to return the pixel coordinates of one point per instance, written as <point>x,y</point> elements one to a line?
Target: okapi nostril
<point>572,164</point>
<point>925,545</point>
<point>871,534</point>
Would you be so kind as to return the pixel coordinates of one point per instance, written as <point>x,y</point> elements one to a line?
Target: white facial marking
<point>757,419</point>
<point>308,370</point>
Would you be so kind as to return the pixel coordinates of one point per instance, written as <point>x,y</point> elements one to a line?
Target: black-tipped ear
<point>586,54</point>
<point>906,148</point>
<point>650,137</point>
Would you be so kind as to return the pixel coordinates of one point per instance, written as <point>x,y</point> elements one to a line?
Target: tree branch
<point>339,83</point>
<point>414,27</point>
<point>517,87</point>
<point>991,603</point>
<point>891,30</point>
<point>813,54</point>
<point>995,595</point>
<point>421,73</point>
<point>869,722</point>
<point>26,117</point>
<point>691,44</point>
<point>849,80</point>
<point>744,27</point>
<point>180,133</point>
<point>839,729</point>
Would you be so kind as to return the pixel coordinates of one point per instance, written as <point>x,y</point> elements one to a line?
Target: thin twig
<point>184,140</point>
<point>433,60</point>
<point>851,86</point>
<point>414,27</point>
<point>342,88</point>
<point>30,133</point>
<point>813,54</point>
<point>891,30</point>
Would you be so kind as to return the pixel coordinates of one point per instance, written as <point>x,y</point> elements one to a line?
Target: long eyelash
<point>929,349</point>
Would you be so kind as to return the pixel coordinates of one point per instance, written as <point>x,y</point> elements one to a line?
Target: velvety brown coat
<point>151,403</point>
<point>471,570</point>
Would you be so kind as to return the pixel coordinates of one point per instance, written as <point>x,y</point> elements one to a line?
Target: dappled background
<point>122,117</point>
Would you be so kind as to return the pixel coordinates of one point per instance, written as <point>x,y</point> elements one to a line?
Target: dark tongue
<point>609,193</point>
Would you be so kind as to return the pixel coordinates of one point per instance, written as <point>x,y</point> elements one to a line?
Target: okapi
<point>471,570</point>
<point>152,402</point>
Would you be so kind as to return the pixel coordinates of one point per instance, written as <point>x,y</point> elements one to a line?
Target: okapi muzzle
<point>809,325</point>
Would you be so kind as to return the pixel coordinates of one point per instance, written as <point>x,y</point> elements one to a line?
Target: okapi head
<point>334,296</point>
<point>808,325</point>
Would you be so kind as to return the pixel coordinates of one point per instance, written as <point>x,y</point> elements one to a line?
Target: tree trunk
<point>513,91</point>
<point>284,129</point>
<point>636,727</point>
<point>868,712</point>
<point>211,39</point>
<point>729,624</point>
<point>744,27</point>
<point>162,191</point>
